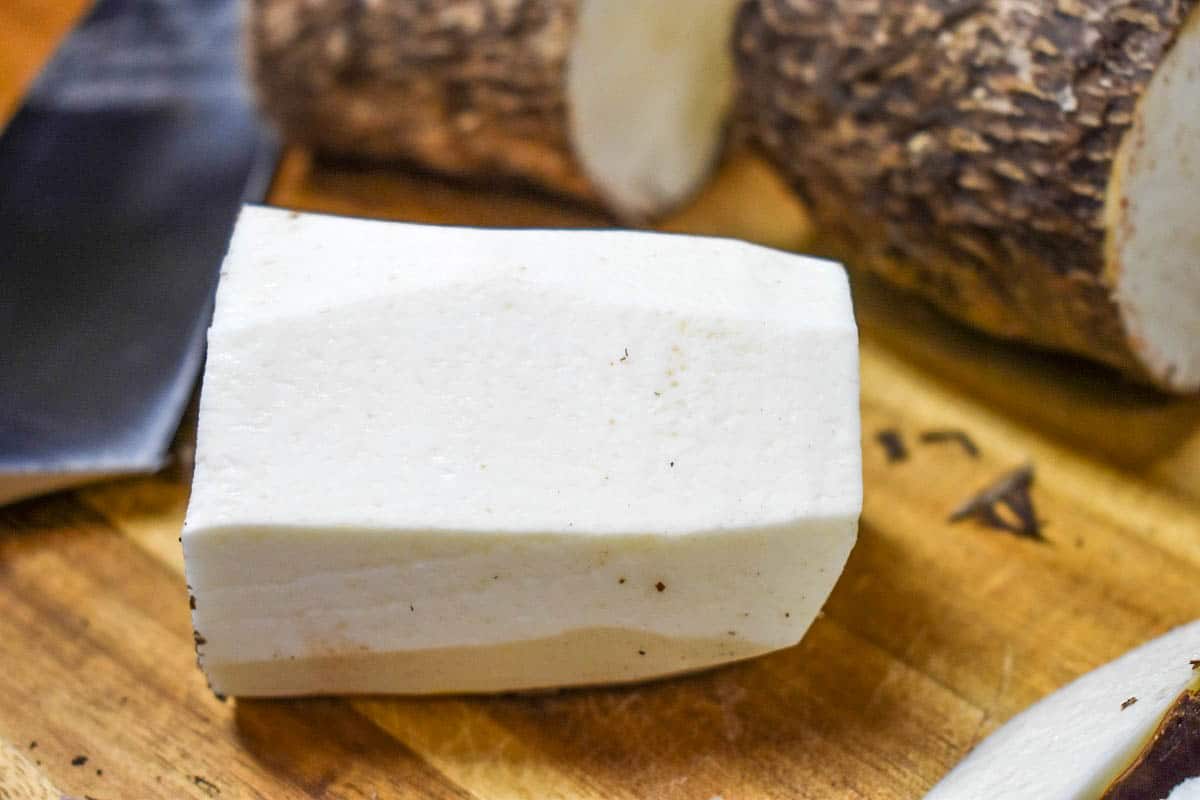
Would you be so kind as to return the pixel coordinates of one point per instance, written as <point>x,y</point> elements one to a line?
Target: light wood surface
<point>934,636</point>
<point>29,30</point>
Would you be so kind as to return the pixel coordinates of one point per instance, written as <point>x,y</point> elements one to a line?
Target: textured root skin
<point>473,89</point>
<point>963,149</point>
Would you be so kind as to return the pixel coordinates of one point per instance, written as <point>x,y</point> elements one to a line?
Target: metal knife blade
<point>120,179</point>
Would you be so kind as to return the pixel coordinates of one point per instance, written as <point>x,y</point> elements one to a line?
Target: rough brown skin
<point>473,88</point>
<point>963,149</point>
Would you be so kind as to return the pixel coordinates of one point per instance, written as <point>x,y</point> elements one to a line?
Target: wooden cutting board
<point>935,635</point>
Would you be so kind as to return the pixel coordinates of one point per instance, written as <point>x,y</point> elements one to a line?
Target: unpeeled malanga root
<point>619,102</point>
<point>1030,166</point>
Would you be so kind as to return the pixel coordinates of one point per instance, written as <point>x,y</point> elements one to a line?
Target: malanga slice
<point>438,459</point>
<point>1129,730</point>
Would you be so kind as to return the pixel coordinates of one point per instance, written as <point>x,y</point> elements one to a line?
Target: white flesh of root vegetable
<point>437,459</point>
<point>1153,205</point>
<point>1076,742</point>
<point>649,88</point>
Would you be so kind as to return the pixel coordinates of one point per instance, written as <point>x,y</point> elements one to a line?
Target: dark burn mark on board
<point>1005,505</point>
<point>208,786</point>
<point>952,435</point>
<point>660,586</point>
<point>1171,757</point>
<point>78,761</point>
<point>893,445</point>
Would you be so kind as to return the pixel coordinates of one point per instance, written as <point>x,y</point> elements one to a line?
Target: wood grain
<point>936,633</point>
<point>29,30</point>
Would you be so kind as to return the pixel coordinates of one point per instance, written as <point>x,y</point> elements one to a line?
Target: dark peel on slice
<point>1171,757</point>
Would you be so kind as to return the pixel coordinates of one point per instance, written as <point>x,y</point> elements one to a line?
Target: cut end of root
<point>649,87</point>
<point>1154,232</point>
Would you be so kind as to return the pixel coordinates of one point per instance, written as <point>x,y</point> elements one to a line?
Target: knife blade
<point>120,179</point>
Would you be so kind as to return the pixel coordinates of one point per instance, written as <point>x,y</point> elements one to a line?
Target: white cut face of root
<point>1154,219</point>
<point>1129,730</point>
<point>1188,790</point>
<point>649,87</point>
<point>439,460</point>
<point>622,103</point>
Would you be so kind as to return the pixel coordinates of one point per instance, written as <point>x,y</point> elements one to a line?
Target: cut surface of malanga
<point>1078,743</point>
<point>457,460</point>
<point>1188,790</point>
<point>649,86</point>
<point>1154,239</point>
